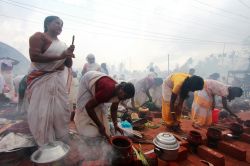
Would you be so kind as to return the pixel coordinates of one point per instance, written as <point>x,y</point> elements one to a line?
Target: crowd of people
<point>50,91</point>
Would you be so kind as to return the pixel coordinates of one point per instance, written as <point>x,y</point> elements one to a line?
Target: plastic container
<point>215,115</point>
<point>125,125</point>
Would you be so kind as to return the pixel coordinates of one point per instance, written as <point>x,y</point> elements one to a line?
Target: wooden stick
<point>73,39</point>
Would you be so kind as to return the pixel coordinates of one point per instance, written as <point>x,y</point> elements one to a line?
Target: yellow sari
<point>171,85</point>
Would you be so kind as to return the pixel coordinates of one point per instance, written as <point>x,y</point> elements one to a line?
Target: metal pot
<point>166,146</point>
<point>50,152</point>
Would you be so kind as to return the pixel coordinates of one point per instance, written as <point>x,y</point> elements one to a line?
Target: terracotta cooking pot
<point>236,129</point>
<point>247,123</point>
<point>213,133</point>
<point>122,147</point>
<point>194,138</point>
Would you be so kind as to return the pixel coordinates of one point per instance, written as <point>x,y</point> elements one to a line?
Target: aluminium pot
<point>166,146</point>
<point>50,152</point>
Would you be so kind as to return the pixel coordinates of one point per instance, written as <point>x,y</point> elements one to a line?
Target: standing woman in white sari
<point>47,84</point>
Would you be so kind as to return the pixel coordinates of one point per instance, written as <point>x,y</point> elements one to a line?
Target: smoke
<point>91,151</point>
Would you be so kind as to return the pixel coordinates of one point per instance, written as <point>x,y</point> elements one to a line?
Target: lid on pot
<point>50,152</point>
<point>166,141</point>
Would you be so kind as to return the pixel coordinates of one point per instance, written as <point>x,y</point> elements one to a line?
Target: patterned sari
<point>203,100</point>
<point>46,98</point>
<point>201,108</point>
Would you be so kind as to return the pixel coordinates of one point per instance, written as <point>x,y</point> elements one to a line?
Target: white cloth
<point>47,97</point>
<point>73,92</point>
<point>140,93</point>
<point>156,94</point>
<point>214,87</point>
<point>17,81</point>
<point>91,67</point>
<point>8,62</point>
<point>167,87</point>
<point>14,141</point>
<point>8,78</point>
<point>2,82</point>
<point>84,124</point>
<point>152,74</point>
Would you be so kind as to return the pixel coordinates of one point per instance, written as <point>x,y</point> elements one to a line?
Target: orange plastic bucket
<point>215,115</point>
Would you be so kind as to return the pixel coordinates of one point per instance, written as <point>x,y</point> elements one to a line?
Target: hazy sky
<point>135,32</point>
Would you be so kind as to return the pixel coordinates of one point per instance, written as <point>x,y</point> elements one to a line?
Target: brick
<point>210,155</point>
<point>182,153</point>
<point>232,150</point>
<point>245,137</point>
<point>165,163</point>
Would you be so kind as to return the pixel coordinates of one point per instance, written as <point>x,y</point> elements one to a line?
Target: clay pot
<point>247,123</point>
<point>236,129</point>
<point>213,137</point>
<point>122,147</point>
<point>194,138</point>
<point>213,133</point>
